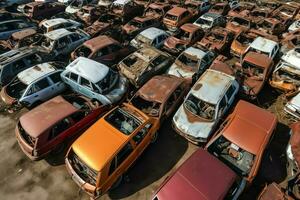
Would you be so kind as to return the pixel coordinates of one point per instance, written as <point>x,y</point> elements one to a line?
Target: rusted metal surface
<point>138,24</point>
<point>238,24</point>
<point>243,9</point>
<point>220,8</point>
<point>174,18</point>
<point>41,10</point>
<point>157,10</point>
<point>259,14</point>
<point>88,14</point>
<point>273,192</point>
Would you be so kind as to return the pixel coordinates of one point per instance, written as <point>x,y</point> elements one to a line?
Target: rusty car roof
<point>39,119</point>
<point>99,42</point>
<point>201,176</point>
<point>177,11</point>
<point>250,127</point>
<point>211,86</point>
<point>188,27</point>
<point>158,5</point>
<point>22,34</point>
<point>159,88</point>
<point>258,59</point>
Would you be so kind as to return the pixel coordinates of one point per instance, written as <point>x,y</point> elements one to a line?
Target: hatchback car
<point>7,28</point>
<point>143,64</point>
<point>176,17</point>
<point>97,81</point>
<point>242,139</point>
<point>34,85</point>
<point>48,127</point>
<point>103,49</point>
<point>150,37</point>
<point>207,102</point>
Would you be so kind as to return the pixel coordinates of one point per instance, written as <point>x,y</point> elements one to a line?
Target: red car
<point>47,127</point>
<point>200,177</point>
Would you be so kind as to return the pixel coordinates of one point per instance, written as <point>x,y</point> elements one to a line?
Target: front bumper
<point>196,141</point>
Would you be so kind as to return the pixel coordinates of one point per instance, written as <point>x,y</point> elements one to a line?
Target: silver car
<point>34,85</point>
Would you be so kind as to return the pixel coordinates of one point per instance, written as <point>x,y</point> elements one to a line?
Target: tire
<point>117,183</point>
<point>154,137</point>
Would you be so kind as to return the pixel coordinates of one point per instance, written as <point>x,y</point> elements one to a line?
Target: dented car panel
<point>143,64</point>
<point>205,104</point>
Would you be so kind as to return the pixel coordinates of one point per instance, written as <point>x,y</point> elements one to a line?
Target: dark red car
<point>200,177</point>
<point>47,127</point>
<point>42,10</point>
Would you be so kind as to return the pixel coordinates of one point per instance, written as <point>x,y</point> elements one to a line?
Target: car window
<point>222,105</point>
<point>171,100</point>
<point>77,116</point>
<point>42,84</point>
<point>230,91</point>
<point>74,37</point>
<point>114,48</point>
<point>113,166</point>
<point>86,83</point>
<point>141,134</point>
<point>20,25</point>
<point>124,153</point>
<point>62,42</point>
<point>55,77</point>
<point>159,60</point>
<point>33,59</point>
<point>73,76</point>
<point>178,91</point>
<point>104,51</point>
<point>59,128</point>
<point>19,66</point>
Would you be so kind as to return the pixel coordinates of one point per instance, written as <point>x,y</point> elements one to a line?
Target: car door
<point>86,88</point>
<point>57,85</point>
<point>142,138</point>
<point>230,94</point>
<point>72,80</point>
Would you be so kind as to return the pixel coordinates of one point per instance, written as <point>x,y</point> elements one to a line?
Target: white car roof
<point>152,33</point>
<point>293,57</point>
<point>31,74</point>
<point>54,22</point>
<point>121,2</point>
<point>263,44</point>
<point>211,86</point>
<point>56,34</point>
<point>89,69</point>
<point>195,52</point>
<point>296,100</point>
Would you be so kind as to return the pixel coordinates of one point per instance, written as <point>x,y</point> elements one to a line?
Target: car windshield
<point>147,107</point>
<point>83,51</point>
<point>171,17</point>
<point>238,159</point>
<point>124,120</point>
<point>258,51</point>
<point>47,42</point>
<point>265,25</point>
<point>16,88</point>
<point>188,60</point>
<point>135,23</point>
<point>204,22</point>
<point>143,40</point>
<point>244,39</point>
<point>108,82</point>
<point>157,11</point>
<point>240,21</point>
<point>215,37</point>
<point>258,14</point>
<point>200,108</point>
<point>253,70</point>
<point>183,35</point>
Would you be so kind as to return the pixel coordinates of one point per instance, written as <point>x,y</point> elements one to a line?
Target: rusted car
<point>54,24</point>
<point>272,4</point>
<point>19,39</point>
<point>143,64</point>
<point>271,26</point>
<point>196,180</point>
<point>260,13</point>
<point>103,49</point>
<point>290,41</point>
<point>254,71</point>
<point>157,10</point>
<point>205,105</point>
<point>138,24</point>
<point>176,17</point>
<point>243,9</point>
<point>241,42</point>
<point>242,138</point>
<point>50,126</point>
<point>187,35</point>
<point>197,7</point>
<point>239,24</point>
<point>192,62</point>
<point>218,39</point>
<point>144,3</point>
<point>126,9</point>
<point>90,13</point>
<point>286,75</point>
<point>272,192</point>
<point>287,10</point>
<point>208,21</point>
<point>122,134</point>
<point>221,8</point>
<point>42,10</point>
<point>106,24</point>
<point>292,108</point>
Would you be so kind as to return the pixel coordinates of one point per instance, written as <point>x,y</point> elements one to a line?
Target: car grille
<point>29,140</point>
<point>82,170</point>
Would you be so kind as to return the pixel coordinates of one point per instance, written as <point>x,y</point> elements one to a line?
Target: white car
<point>34,85</point>
<point>294,26</point>
<point>95,80</point>
<point>264,46</point>
<point>205,105</point>
<point>150,37</point>
<point>62,42</point>
<point>54,24</point>
<point>293,107</point>
<point>209,20</point>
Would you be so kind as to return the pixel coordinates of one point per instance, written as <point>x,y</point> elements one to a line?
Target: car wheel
<point>117,183</point>
<point>154,137</point>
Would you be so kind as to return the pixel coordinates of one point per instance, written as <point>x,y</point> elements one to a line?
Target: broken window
<point>236,158</point>
<point>259,14</point>
<point>188,60</point>
<point>59,128</point>
<point>73,77</point>
<point>265,25</point>
<point>55,77</point>
<point>108,82</point>
<point>251,70</point>
<point>244,39</point>
<point>123,120</point>
<point>16,88</point>
<point>200,108</point>
<point>240,21</point>
<point>155,11</point>
<point>204,22</point>
<point>83,51</point>
<point>141,134</point>
<point>171,17</point>
<point>147,107</point>
<point>135,23</point>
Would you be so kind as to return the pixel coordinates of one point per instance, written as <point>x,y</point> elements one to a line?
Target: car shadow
<point>273,165</point>
<point>156,161</point>
<point>58,158</point>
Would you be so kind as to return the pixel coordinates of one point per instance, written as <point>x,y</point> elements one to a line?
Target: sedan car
<point>242,139</point>
<point>143,64</point>
<point>34,85</point>
<point>48,127</point>
<point>207,102</point>
<point>95,80</point>
<point>7,28</point>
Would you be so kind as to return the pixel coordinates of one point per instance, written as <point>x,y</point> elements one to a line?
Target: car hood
<point>191,125</point>
<point>180,71</point>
